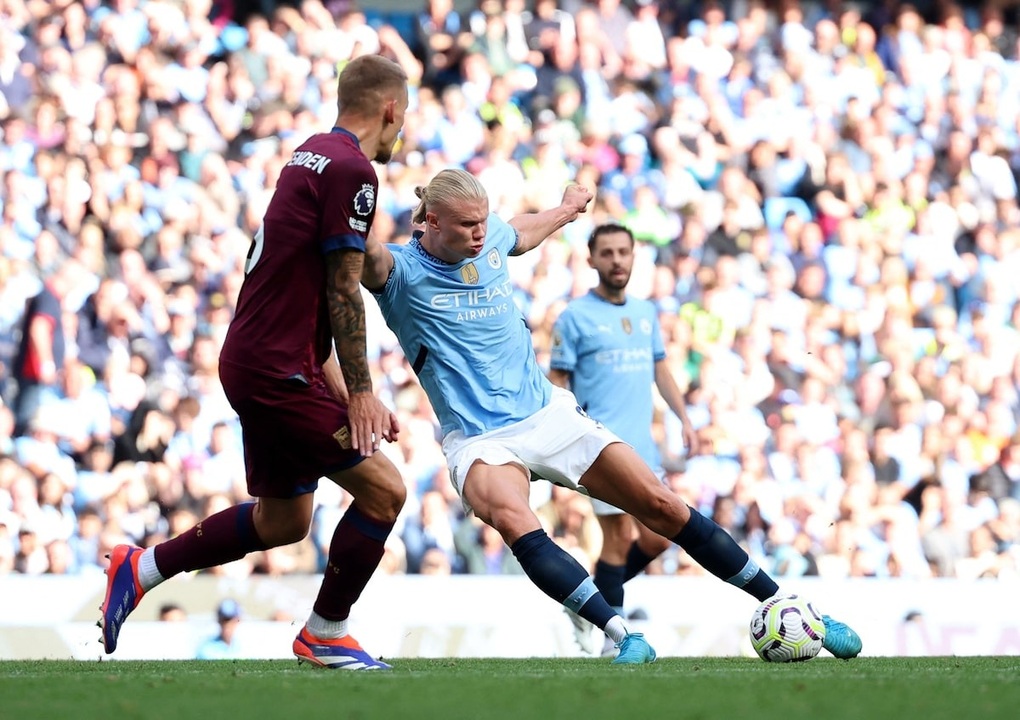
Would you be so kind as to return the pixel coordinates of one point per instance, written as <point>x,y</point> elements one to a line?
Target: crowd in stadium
<point>825,198</point>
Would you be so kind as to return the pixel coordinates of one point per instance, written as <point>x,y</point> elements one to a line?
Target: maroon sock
<point>221,538</point>
<point>354,554</point>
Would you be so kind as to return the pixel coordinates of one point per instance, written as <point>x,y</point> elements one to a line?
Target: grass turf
<point>484,689</point>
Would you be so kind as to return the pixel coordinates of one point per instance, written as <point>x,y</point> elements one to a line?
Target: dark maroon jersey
<point>325,200</point>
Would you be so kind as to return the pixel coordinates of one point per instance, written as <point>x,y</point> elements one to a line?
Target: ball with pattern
<point>787,628</point>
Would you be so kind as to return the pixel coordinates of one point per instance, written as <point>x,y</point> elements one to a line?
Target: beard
<point>384,156</point>
<point>616,283</point>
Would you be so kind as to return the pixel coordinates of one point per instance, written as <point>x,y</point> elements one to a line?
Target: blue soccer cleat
<point>840,639</point>
<point>337,654</point>
<point>123,592</point>
<point>634,650</point>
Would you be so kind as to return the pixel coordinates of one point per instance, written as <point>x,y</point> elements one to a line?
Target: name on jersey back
<point>310,160</point>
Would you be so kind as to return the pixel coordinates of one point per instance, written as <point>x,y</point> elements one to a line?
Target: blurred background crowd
<point>824,194</point>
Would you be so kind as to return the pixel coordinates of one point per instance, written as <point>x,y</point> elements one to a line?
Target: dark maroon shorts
<point>294,433</point>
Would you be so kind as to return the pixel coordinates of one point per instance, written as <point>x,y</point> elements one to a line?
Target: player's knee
<point>384,499</point>
<point>664,513</point>
<point>512,522</point>
<point>285,530</point>
<point>391,502</point>
<point>295,532</point>
<point>282,522</point>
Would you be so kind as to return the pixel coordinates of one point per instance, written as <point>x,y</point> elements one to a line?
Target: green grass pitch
<point>490,689</point>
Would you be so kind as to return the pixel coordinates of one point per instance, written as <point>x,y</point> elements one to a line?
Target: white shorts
<point>558,443</point>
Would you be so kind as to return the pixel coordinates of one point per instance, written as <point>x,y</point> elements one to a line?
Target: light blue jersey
<point>464,336</point>
<point>610,351</point>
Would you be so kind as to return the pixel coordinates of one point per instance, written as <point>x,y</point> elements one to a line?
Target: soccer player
<point>447,296</point>
<point>607,349</point>
<point>303,417</point>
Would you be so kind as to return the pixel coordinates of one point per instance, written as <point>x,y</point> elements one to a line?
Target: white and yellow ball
<point>787,628</point>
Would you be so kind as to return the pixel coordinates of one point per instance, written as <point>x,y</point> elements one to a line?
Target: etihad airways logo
<point>471,298</point>
<point>624,356</point>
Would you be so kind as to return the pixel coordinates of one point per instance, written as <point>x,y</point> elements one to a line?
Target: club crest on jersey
<point>627,327</point>
<point>364,201</point>
<point>343,437</point>
<point>646,326</point>
<point>495,261</point>
<point>469,274</point>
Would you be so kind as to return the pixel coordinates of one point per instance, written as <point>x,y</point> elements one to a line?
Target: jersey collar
<point>344,131</point>
<point>420,249</point>
<point>607,301</point>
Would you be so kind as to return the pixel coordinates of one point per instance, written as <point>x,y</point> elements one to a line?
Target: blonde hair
<point>448,186</point>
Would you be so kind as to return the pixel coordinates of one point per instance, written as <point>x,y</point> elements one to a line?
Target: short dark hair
<point>607,229</point>
<point>364,81</point>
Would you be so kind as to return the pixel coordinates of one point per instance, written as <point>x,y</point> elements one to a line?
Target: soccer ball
<point>786,628</point>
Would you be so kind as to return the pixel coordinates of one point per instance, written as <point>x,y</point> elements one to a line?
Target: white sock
<point>325,629</point>
<point>148,573</point>
<point>615,629</point>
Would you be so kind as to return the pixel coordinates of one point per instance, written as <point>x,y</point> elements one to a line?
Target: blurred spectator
<point>434,562</point>
<point>40,358</point>
<point>826,198</point>
<point>432,529</point>
<point>172,612</point>
<point>223,645</point>
<point>484,551</point>
<point>440,42</point>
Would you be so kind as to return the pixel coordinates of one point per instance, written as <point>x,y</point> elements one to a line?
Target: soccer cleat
<point>123,592</point>
<point>840,639</point>
<point>634,650</point>
<point>337,654</point>
<point>584,632</point>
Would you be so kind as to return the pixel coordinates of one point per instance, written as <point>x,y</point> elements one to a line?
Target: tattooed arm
<point>369,419</point>
<point>347,317</point>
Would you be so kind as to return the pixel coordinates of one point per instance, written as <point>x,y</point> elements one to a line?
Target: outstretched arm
<point>369,419</point>
<point>533,228</point>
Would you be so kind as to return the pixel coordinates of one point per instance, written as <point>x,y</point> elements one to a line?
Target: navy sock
<point>637,560</point>
<point>718,553</point>
<point>609,580</point>
<point>561,577</point>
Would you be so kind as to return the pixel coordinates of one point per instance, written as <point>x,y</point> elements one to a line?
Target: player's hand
<point>391,436</point>
<point>691,441</point>
<point>576,198</point>
<point>371,422</point>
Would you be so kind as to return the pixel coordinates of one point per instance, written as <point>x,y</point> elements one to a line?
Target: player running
<point>301,295</point>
